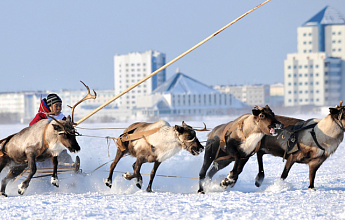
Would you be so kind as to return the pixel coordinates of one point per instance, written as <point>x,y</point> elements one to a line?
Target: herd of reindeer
<point>259,132</point>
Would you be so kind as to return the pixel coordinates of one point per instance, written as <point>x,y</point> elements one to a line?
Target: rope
<point>99,128</point>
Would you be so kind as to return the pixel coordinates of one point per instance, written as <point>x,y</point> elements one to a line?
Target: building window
<point>289,75</point>
<point>300,75</point>
<point>289,67</point>
<point>306,75</point>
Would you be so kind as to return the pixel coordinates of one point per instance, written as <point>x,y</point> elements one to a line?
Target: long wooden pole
<point>171,62</point>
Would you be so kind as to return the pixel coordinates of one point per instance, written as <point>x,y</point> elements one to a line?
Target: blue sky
<point>51,45</point>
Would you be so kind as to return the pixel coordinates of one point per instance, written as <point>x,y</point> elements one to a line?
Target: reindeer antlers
<point>204,129</point>
<point>88,96</point>
<point>340,104</point>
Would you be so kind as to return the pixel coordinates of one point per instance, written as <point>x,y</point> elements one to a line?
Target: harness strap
<point>134,136</point>
<point>230,128</point>
<point>312,132</point>
<point>138,135</point>
<point>45,145</point>
<point>341,126</point>
<point>227,131</point>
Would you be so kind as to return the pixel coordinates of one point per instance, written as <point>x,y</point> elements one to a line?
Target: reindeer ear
<point>333,111</point>
<point>57,127</point>
<point>179,129</point>
<point>256,112</point>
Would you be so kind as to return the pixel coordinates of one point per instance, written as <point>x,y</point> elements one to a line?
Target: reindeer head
<point>338,114</point>
<point>266,120</point>
<point>66,133</point>
<point>187,136</point>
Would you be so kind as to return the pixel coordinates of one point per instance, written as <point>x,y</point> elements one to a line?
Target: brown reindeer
<point>154,143</point>
<point>236,141</point>
<point>45,139</point>
<point>316,143</point>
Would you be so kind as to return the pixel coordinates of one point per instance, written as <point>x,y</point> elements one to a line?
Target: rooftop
<point>326,16</point>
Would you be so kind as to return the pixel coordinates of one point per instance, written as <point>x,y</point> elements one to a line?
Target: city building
<point>22,107</point>
<point>315,75</point>
<point>185,96</point>
<point>131,68</point>
<point>250,94</point>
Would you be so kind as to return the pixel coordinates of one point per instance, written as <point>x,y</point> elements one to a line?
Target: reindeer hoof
<point>3,194</point>
<point>227,182</point>
<point>139,183</point>
<point>200,191</point>
<point>54,181</point>
<point>259,179</point>
<point>21,189</point>
<point>108,182</point>
<point>126,175</point>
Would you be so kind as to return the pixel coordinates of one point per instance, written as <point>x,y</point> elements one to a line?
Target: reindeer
<point>315,142</point>
<point>154,143</point>
<point>236,141</point>
<point>45,139</point>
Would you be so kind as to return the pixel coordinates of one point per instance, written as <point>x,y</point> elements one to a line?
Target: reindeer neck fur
<point>165,142</point>
<point>329,134</point>
<point>252,135</point>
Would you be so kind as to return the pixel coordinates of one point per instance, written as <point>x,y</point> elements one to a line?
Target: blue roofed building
<point>183,95</point>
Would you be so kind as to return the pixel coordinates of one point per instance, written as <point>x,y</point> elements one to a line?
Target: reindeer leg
<point>32,165</point>
<point>313,167</point>
<point>209,156</point>
<point>3,162</point>
<point>136,173</point>
<point>232,177</point>
<point>54,179</point>
<point>261,174</point>
<point>119,155</point>
<point>152,176</point>
<point>220,165</point>
<point>289,162</point>
<point>13,173</point>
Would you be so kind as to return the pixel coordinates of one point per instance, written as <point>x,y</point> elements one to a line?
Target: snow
<point>83,196</point>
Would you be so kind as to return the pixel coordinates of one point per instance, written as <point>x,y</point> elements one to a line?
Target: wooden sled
<point>46,172</point>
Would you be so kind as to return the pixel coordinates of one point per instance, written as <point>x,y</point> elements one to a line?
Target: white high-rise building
<point>130,68</point>
<point>315,75</point>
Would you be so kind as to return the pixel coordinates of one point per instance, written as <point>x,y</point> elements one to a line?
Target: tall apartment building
<point>315,75</point>
<point>130,68</point>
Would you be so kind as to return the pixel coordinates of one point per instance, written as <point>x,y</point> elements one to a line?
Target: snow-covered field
<point>82,196</point>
